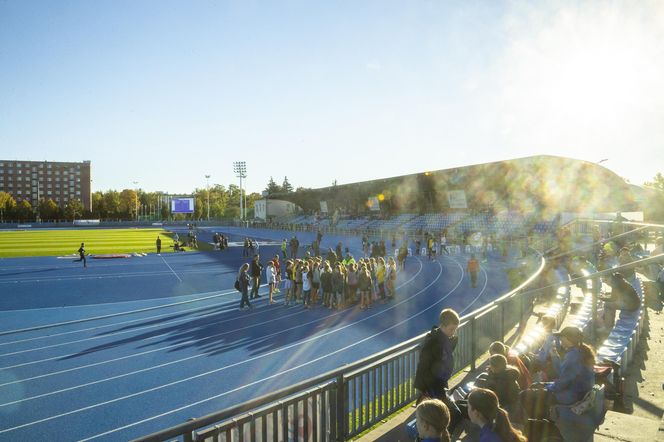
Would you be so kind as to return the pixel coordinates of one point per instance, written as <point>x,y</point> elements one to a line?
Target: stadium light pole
<point>207,183</point>
<point>240,169</point>
<point>136,186</point>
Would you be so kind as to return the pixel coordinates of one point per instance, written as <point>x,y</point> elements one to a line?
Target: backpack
<point>237,285</point>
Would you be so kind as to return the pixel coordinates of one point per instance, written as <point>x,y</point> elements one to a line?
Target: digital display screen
<point>182,205</point>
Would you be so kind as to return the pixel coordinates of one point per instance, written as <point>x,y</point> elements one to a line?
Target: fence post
<point>597,283</point>
<point>502,319</point>
<point>473,345</point>
<point>339,421</point>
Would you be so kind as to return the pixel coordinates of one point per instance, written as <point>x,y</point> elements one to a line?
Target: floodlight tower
<point>240,169</point>
<point>207,184</point>
<point>136,186</point>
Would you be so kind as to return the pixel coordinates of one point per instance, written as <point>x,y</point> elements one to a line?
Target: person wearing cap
<point>575,381</point>
<point>576,369</point>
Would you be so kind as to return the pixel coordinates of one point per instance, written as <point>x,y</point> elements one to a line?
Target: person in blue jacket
<point>484,411</point>
<point>576,379</point>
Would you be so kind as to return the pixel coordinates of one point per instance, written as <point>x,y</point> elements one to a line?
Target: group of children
<point>525,386</point>
<point>333,283</point>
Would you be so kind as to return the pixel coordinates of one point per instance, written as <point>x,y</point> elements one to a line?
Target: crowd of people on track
<point>335,280</point>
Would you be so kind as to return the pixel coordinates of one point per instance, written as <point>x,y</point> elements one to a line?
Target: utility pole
<point>207,183</point>
<point>136,186</point>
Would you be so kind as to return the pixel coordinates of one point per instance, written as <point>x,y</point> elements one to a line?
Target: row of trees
<point>124,204</point>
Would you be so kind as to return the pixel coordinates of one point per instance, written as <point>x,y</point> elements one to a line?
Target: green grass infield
<point>61,242</point>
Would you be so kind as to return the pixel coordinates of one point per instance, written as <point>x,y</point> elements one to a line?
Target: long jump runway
<point>127,347</point>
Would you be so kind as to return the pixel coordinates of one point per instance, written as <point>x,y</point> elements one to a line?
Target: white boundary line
<point>168,265</point>
<point>111,315</point>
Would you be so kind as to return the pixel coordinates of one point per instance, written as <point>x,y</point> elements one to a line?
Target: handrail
<point>225,414</point>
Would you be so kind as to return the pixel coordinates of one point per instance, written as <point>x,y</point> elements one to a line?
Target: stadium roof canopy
<point>539,183</point>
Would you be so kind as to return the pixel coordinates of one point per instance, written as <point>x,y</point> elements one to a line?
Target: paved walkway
<point>644,394</point>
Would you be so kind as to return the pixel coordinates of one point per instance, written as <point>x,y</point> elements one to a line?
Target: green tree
<point>111,204</point>
<point>98,208</point>
<point>48,209</point>
<point>128,203</point>
<point>74,209</point>
<point>23,211</point>
<point>286,186</point>
<point>657,182</point>
<point>273,187</point>
<point>7,205</point>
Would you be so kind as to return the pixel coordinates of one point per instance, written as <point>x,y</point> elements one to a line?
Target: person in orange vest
<point>473,268</point>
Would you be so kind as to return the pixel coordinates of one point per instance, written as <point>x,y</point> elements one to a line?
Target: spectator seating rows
<point>619,346</point>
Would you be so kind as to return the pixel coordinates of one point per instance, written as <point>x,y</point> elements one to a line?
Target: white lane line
<point>114,324</point>
<point>130,301</point>
<point>154,350</point>
<point>176,275</point>
<point>297,367</point>
<point>100,276</point>
<point>112,315</point>
<point>244,361</point>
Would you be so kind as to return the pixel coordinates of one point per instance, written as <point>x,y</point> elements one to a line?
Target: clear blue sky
<point>165,92</point>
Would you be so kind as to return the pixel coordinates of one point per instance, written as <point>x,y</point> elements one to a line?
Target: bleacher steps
<point>627,427</point>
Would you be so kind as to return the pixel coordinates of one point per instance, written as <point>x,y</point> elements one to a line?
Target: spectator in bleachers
<point>625,257</point>
<point>499,348</point>
<point>623,297</point>
<point>436,361</point>
<point>502,379</point>
<point>576,378</point>
<point>433,418</point>
<point>485,412</point>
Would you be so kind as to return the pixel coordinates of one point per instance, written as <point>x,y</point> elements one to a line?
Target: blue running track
<point>127,347</point>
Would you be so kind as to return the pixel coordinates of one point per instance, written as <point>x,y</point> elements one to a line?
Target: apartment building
<point>36,180</point>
